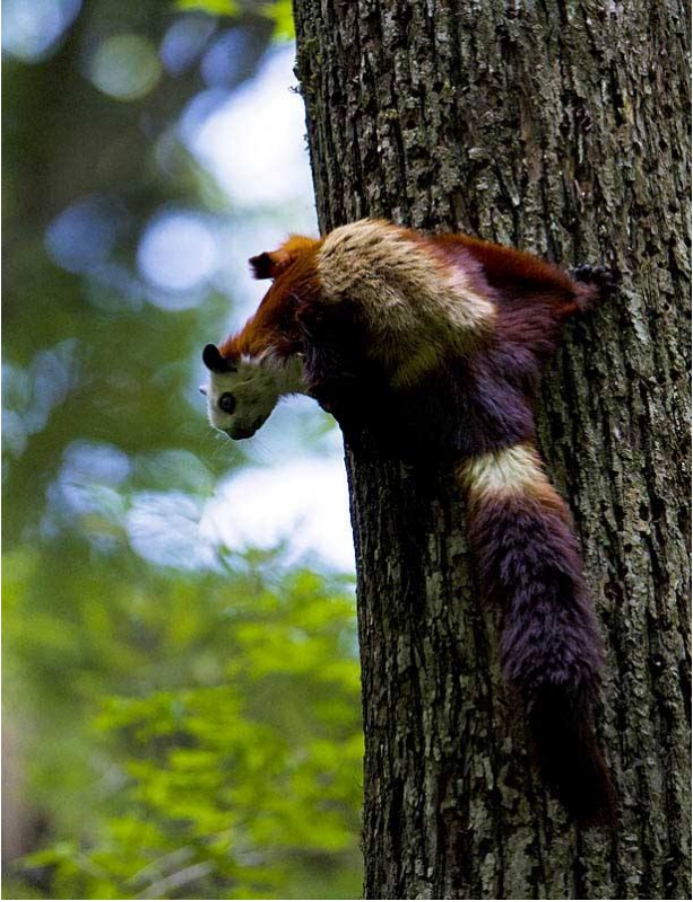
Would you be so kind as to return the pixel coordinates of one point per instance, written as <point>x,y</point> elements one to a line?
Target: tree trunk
<point>560,129</point>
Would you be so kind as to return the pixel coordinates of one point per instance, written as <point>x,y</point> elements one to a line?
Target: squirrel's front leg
<point>337,371</point>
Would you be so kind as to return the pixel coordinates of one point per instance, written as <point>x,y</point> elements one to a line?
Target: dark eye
<point>227,402</point>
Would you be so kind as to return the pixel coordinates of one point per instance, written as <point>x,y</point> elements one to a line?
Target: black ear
<point>215,363</point>
<point>263,266</point>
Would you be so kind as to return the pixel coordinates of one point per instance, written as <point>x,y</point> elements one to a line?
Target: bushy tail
<point>528,559</point>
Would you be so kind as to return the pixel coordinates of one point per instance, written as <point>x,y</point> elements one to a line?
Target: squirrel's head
<point>243,392</point>
<point>253,369</point>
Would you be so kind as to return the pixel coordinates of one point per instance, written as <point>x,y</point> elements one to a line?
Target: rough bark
<point>561,129</point>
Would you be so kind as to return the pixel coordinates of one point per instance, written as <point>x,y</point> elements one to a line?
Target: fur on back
<point>413,300</point>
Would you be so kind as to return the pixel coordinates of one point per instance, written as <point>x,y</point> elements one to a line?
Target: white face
<point>239,402</point>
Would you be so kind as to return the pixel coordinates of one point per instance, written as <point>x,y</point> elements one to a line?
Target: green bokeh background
<point>182,724</point>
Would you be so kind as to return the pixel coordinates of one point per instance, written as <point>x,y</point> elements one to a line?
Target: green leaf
<point>283,15</point>
<point>213,7</point>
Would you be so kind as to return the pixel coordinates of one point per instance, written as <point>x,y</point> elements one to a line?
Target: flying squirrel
<point>435,344</point>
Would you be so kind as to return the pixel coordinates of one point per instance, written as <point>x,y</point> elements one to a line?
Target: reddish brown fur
<point>270,265</point>
<point>274,324</point>
<point>505,266</point>
<point>474,404</point>
<point>505,275</point>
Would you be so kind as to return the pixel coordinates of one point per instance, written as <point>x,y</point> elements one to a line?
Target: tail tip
<point>592,801</point>
<point>569,757</point>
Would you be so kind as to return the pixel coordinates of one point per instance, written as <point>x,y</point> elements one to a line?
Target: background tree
<point>561,129</point>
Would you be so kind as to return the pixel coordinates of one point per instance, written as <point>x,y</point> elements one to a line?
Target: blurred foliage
<point>181,720</point>
<point>278,11</point>
<point>232,772</point>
